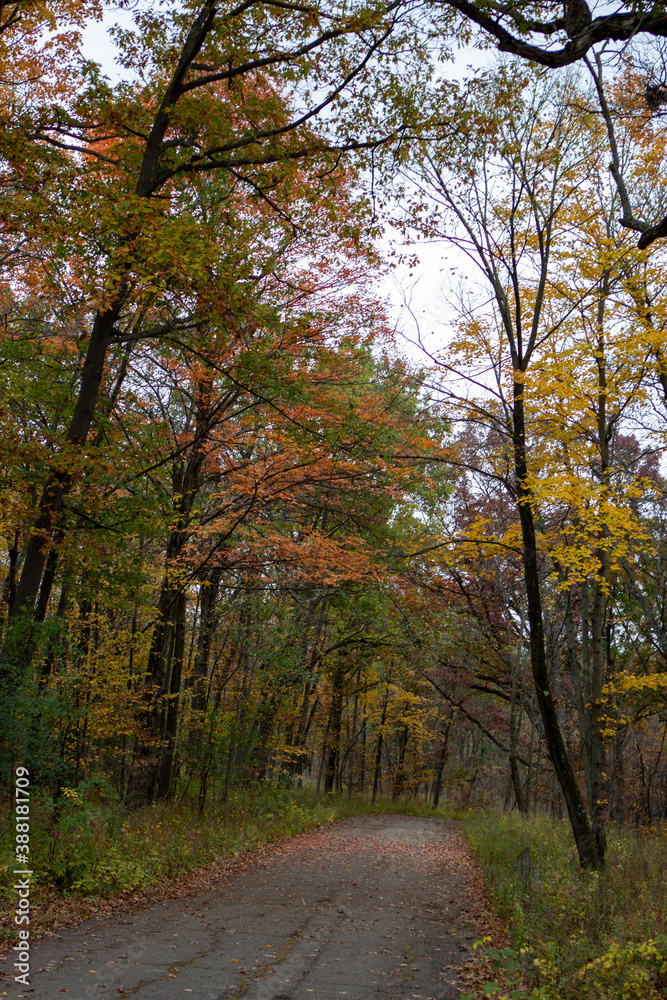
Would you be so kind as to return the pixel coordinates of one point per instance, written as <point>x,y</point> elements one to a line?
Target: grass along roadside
<point>89,854</point>
<point>573,934</point>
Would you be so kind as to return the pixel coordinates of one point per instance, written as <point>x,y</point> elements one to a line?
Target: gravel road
<point>376,906</point>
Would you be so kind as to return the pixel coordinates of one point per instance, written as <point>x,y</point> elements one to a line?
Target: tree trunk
<point>587,847</point>
<point>442,759</point>
<point>336,717</point>
<point>350,769</point>
<point>208,599</point>
<point>399,777</point>
<point>164,778</point>
<point>515,728</point>
<point>378,751</point>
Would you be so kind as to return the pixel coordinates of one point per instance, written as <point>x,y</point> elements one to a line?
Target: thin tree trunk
<point>207,603</point>
<point>587,847</point>
<point>378,751</point>
<point>165,774</point>
<point>399,777</point>
<point>336,717</point>
<point>442,758</point>
<point>350,772</point>
<point>515,727</point>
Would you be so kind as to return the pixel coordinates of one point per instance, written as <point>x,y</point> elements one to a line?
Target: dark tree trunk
<point>267,715</point>
<point>516,784</point>
<point>378,750</point>
<point>587,846</point>
<point>336,717</point>
<point>362,772</point>
<point>399,777</point>
<point>165,773</point>
<point>210,588</point>
<point>442,759</point>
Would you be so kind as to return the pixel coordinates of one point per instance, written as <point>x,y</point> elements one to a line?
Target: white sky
<point>98,45</point>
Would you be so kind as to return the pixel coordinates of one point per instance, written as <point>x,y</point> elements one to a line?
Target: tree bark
<point>378,751</point>
<point>209,595</point>
<point>165,773</point>
<point>587,847</point>
<point>399,777</point>
<point>442,759</point>
<point>336,718</point>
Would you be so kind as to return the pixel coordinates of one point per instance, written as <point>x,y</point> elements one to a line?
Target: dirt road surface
<point>376,906</point>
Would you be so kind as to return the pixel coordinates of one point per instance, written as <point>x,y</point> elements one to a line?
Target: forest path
<point>375,906</point>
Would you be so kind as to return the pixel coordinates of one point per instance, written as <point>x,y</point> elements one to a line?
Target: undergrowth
<point>573,934</point>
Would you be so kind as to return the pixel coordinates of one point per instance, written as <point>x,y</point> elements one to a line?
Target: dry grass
<point>561,919</point>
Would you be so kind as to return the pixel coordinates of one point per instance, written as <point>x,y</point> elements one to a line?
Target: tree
<point>519,29</point>
<point>552,389</point>
<point>211,101</point>
<point>566,39</point>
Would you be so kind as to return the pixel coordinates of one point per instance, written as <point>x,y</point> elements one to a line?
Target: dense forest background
<point>248,535</point>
